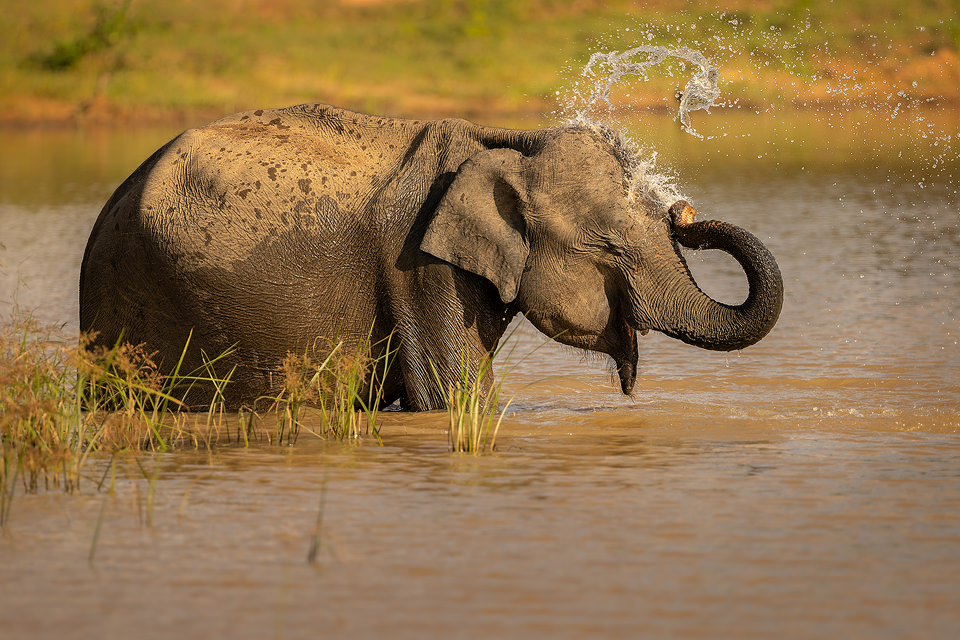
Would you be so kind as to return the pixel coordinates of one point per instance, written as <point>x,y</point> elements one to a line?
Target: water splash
<point>647,183</point>
<point>778,70</point>
<point>700,93</point>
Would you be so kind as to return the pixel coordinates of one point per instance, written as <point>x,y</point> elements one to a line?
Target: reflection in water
<point>754,533</point>
<point>806,487</point>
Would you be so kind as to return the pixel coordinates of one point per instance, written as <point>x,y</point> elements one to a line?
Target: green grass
<point>473,410</point>
<point>492,58</point>
<point>473,399</point>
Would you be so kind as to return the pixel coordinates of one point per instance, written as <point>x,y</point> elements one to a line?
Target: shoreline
<point>102,114</point>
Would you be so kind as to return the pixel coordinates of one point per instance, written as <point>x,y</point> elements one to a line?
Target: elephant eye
<point>615,244</point>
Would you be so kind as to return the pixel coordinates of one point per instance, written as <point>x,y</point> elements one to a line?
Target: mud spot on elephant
<point>243,193</point>
<point>304,184</point>
<point>258,112</point>
<point>327,208</point>
<point>272,173</point>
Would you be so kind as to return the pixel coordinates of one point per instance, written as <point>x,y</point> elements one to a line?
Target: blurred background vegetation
<point>497,61</point>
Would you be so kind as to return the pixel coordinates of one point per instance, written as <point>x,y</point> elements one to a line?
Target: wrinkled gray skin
<point>268,229</point>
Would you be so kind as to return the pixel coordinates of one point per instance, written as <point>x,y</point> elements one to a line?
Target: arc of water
<point>700,93</point>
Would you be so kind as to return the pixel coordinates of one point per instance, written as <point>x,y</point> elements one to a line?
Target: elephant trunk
<point>687,313</point>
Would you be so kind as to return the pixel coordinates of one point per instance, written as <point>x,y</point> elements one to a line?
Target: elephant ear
<point>479,224</point>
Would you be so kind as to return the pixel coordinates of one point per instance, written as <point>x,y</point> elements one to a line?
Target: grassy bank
<point>113,61</point>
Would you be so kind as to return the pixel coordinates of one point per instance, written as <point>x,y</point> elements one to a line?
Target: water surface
<point>806,487</point>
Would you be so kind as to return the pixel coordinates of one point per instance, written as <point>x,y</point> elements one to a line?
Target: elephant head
<point>572,238</point>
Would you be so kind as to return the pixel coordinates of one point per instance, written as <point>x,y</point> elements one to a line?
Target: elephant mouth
<point>627,359</point>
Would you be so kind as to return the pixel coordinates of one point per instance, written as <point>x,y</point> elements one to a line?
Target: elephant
<point>267,230</point>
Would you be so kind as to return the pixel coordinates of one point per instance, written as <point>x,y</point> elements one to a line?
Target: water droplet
<point>700,92</point>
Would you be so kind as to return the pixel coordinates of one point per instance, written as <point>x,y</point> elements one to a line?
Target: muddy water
<point>807,487</point>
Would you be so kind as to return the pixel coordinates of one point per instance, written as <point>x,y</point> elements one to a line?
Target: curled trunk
<point>692,316</point>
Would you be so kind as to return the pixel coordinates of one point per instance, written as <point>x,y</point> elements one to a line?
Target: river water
<point>807,487</point>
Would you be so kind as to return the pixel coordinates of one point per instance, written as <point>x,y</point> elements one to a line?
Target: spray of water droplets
<point>608,69</point>
<point>602,72</point>
<point>786,72</point>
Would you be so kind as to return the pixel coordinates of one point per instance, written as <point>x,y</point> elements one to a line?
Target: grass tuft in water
<point>346,387</point>
<point>473,409</point>
<point>62,401</point>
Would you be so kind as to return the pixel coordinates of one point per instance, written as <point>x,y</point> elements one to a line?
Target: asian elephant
<point>269,229</point>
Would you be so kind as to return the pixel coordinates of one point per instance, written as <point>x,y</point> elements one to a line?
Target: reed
<point>472,408</point>
<point>63,400</point>
<point>346,387</point>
